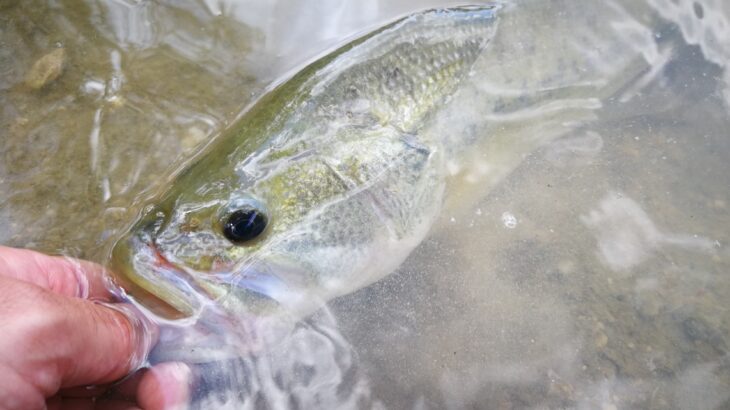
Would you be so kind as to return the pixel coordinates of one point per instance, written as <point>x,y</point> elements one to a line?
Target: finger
<point>16,392</point>
<point>65,276</point>
<point>74,341</point>
<point>165,386</point>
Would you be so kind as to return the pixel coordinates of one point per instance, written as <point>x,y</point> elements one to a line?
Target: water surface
<point>581,260</point>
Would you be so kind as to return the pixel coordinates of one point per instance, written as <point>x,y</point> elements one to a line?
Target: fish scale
<point>406,83</point>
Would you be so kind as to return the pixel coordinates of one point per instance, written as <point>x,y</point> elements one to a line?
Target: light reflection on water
<point>607,149</point>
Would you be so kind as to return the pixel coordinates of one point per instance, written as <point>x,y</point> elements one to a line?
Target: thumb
<point>58,341</point>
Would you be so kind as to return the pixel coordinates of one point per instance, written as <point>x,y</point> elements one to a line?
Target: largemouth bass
<point>322,187</point>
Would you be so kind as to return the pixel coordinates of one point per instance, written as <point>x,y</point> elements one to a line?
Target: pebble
<point>600,340</point>
<point>566,266</point>
<point>192,138</point>
<point>46,69</point>
<point>563,391</point>
<point>509,220</point>
<point>649,307</point>
<point>18,125</point>
<point>697,330</point>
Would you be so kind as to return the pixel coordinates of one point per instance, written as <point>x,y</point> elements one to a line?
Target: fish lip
<point>144,272</point>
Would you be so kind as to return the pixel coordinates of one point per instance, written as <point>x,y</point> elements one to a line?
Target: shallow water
<point>581,260</point>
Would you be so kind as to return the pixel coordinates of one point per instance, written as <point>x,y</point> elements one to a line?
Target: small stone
<point>649,308</point>
<point>46,69</point>
<point>695,329</point>
<point>192,138</point>
<point>566,266</point>
<point>117,213</point>
<point>18,125</point>
<point>116,101</point>
<point>600,340</point>
<point>563,390</point>
<point>607,368</point>
<point>509,220</point>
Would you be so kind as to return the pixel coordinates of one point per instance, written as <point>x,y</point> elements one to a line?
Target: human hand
<point>61,334</point>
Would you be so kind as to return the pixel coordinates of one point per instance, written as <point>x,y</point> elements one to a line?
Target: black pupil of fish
<point>244,225</point>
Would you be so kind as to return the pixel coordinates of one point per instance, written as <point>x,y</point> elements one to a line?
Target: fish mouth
<point>151,279</point>
<point>175,292</point>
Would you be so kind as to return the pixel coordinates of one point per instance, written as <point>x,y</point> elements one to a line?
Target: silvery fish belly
<point>325,185</point>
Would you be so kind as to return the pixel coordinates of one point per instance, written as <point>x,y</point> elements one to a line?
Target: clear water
<point>582,257</point>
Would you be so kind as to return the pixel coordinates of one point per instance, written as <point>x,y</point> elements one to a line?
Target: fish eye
<point>244,225</point>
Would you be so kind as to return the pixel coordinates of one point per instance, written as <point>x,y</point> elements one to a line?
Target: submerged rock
<point>46,69</point>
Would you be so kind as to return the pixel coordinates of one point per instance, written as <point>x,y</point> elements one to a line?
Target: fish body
<point>323,186</point>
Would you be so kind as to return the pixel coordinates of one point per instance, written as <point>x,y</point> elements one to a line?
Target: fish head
<point>287,229</point>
